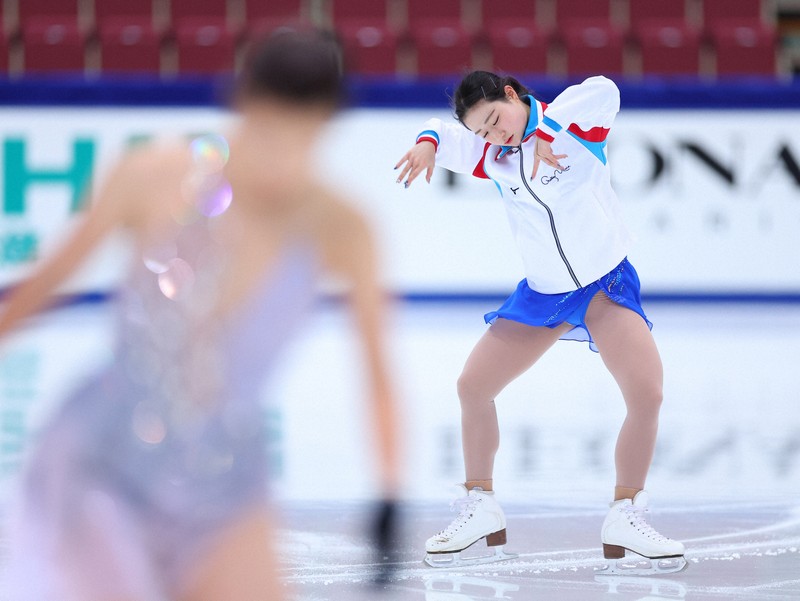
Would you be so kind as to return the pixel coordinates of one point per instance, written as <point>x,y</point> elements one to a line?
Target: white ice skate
<point>625,529</point>
<point>479,516</point>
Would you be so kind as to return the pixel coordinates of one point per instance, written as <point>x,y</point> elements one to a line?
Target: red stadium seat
<point>437,32</point>
<point>183,9</point>
<point>273,10</point>
<point>53,46</point>
<point>517,46</point>
<point>204,37</point>
<point>369,49</point>
<point>205,47</point>
<point>570,13</point>
<point>4,64</point>
<point>515,40</point>
<point>370,42</point>
<point>438,12</point>
<point>668,48</point>
<point>258,29</point>
<point>130,39</point>
<point>262,17</point>
<point>53,10</point>
<point>128,46</point>
<point>52,35</point>
<point>441,49</point>
<point>359,10</point>
<point>520,10</point>
<point>743,49</point>
<point>594,50</point>
<point>118,9</point>
<point>53,38</point>
<point>724,10</point>
<point>641,12</point>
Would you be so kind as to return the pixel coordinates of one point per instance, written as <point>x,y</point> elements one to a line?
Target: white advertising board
<point>712,197</point>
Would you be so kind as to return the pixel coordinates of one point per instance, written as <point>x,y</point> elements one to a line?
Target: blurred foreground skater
<point>150,481</point>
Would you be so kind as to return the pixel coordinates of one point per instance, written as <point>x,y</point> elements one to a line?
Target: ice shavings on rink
<point>755,563</point>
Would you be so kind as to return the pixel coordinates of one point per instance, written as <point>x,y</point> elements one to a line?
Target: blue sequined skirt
<point>527,306</point>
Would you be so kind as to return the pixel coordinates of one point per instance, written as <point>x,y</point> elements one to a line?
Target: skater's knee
<point>470,391</point>
<point>654,396</point>
<point>647,399</point>
<point>465,388</point>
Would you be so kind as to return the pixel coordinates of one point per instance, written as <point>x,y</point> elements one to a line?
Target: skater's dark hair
<point>482,85</point>
<point>299,66</point>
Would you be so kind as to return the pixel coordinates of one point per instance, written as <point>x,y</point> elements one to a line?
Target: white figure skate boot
<point>625,529</point>
<point>479,516</point>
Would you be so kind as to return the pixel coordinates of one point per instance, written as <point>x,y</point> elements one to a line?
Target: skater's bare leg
<point>241,566</point>
<point>625,492</point>
<point>629,351</point>
<point>505,351</point>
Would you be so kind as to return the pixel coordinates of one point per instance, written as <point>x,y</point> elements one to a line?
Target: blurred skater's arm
<point>351,253</point>
<point>35,292</point>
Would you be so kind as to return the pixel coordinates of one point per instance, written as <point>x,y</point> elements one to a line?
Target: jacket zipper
<point>550,215</point>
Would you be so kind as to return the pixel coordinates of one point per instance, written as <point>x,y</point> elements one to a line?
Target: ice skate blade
<point>639,565</point>
<point>454,560</point>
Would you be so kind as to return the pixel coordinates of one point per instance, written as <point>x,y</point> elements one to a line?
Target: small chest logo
<point>514,190</point>
<point>553,178</point>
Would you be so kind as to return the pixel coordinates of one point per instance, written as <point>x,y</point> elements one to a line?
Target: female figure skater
<point>149,483</point>
<point>549,163</point>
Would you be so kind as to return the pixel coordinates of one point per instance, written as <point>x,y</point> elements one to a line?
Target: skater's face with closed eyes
<point>501,122</point>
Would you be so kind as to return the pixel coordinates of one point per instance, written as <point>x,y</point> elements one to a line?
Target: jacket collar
<point>533,123</point>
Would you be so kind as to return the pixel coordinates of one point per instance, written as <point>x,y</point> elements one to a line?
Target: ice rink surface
<point>725,479</point>
<point>746,551</point>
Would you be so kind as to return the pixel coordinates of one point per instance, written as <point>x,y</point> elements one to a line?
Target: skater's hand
<point>542,151</point>
<point>421,157</point>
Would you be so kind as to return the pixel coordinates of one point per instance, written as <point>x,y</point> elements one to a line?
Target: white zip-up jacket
<point>567,224</point>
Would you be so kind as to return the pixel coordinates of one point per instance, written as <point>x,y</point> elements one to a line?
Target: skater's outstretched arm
<point>448,145</point>
<point>350,252</point>
<point>113,208</point>
<point>420,157</point>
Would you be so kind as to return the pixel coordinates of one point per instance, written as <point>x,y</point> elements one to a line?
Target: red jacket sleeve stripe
<point>596,134</point>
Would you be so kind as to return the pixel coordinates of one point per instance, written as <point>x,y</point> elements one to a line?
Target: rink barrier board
<point>726,227</point>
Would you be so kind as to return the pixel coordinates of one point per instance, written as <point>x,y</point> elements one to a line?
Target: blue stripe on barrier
<point>135,91</point>
<point>783,298</point>
<point>649,93</point>
<point>66,300</point>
